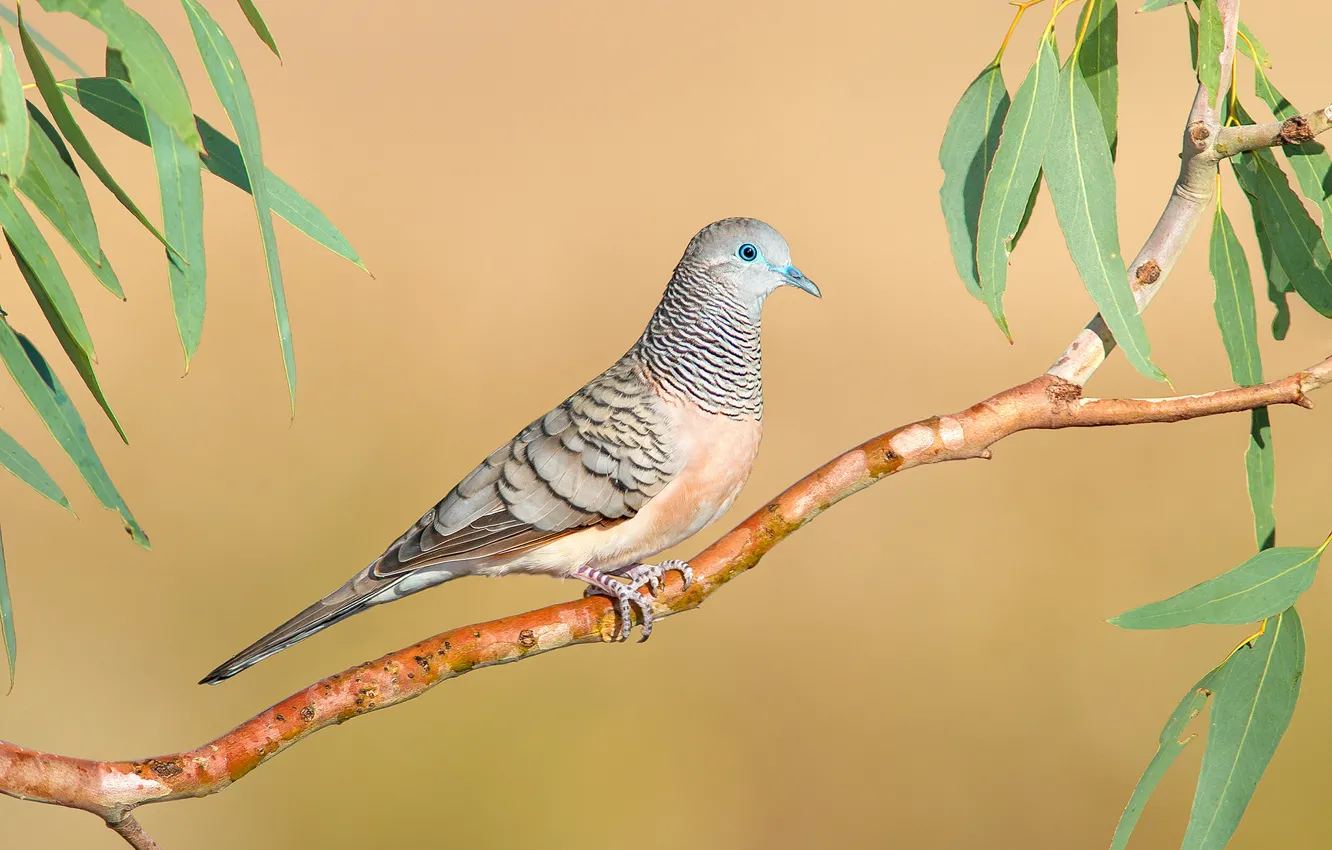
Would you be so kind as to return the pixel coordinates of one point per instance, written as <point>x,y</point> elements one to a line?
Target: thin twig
<point>1295,130</point>
<point>128,828</point>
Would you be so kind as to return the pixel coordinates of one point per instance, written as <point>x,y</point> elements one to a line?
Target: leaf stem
<point>1082,36</point>
<point>1022,7</point>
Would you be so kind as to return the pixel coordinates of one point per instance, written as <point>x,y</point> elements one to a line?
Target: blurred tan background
<point>927,665</point>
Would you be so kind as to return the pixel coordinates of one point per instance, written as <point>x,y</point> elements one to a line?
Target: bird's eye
<point>748,253</point>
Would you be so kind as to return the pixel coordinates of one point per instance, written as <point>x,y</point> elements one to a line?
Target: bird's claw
<point>652,574</point>
<point>626,591</point>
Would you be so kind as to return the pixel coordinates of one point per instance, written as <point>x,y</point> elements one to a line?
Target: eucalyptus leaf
<point>48,283</point>
<point>46,395</point>
<point>223,67</point>
<point>1081,177</point>
<point>1308,160</point>
<point>77,356</point>
<point>1255,700</point>
<point>54,187</point>
<point>1278,282</point>
<point>1236,314</point>
<point>1169,746</point>
<point>113,102</point>
<point>7,617</point>
<point>1284,226</point>
<point>64,119</point>
<point>260,28</point>
<point>1015,169</point>
<point>1211,42</point>
<point>1251,47</point>
<point>25,467</point>
<point>13,117</point>
<point>1262,586</point>
<point>1260,472</point>
<point>1098,61</point>
<point>142,55</point>
<point>179,179</point>
<point>968,147</point>
<point>1153,5</point>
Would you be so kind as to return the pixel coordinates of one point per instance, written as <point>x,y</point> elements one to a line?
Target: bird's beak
<point>798,280</point>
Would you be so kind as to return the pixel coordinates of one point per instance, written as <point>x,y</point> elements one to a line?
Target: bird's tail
<point>353,597</point>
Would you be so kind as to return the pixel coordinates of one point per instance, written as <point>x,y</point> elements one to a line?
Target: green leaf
<point>1081,178</point>
<point>49,284</point>
<point>1262,586</point>
<point>223,66</point>
<point>76,355</point>
<point>1278,282</point>
<point>1026,214</point>
<point>7,618</point>
<point>1296,242</point>
<point>13,117</point>
<point>1254,703</point>
<point>144,56</point>
<point>1260,469</point>
<point>44,392</point>
<point>1153,5</point>
<point>181,184</point>
<point>1015,169</point>
<point>1193,40</point>
<point>54,187</point>
<point>8,16</point>
<point>115,64</point>
<point>260,28</point>
<point>112,102</point>
<point>1211,41</point>
<point>1170,745</point>
<point>1309,160</point>
<point>17,460</point>
<point>1251,47</point>
<point>64,119</point>
<point>1235,311</point>
<point>965,155</point>
<point>1098,61</point>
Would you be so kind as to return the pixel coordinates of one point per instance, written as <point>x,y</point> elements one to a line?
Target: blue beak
<point>798,280</point>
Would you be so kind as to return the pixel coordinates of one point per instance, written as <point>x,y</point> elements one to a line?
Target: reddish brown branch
<point>111,789</point>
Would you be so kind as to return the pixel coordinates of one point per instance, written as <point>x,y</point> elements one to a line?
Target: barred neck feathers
<point>702,344</point>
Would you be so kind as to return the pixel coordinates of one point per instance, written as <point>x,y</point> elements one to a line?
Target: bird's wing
<point>597,457</point>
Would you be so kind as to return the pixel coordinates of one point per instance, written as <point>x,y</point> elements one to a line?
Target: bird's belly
<point>721,455</point>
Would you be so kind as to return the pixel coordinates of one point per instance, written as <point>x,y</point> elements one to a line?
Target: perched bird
<point>647,454</point>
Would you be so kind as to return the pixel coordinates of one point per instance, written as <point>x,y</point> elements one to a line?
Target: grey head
<point>746,257</point>
<point>703,340</point>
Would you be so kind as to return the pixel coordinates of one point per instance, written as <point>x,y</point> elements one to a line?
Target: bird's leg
<point>626,591</point>
<point>625,595</point>
<point>652,574</point>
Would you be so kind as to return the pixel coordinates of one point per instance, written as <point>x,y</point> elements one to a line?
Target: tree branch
<point>1053,400</point>
<point>1189,199</point>
<point>128,828</point>
<point>112,789</point>
<point>1295,130</point>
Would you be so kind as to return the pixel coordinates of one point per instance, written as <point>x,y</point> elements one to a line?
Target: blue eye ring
<point>748,252</point>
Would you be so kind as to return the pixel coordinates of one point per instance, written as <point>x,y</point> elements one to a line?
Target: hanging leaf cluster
<point>1059,128</point>
<point>45,157</point>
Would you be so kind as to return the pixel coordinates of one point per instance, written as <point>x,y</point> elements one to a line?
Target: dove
<point>647,454</point>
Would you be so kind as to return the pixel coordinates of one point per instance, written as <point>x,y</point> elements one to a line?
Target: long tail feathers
<point>352,598</point>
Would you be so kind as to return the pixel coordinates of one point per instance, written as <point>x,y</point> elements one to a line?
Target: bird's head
<point>747,256</point>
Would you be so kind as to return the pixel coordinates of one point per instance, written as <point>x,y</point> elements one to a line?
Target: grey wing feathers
<point>597,457</point>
